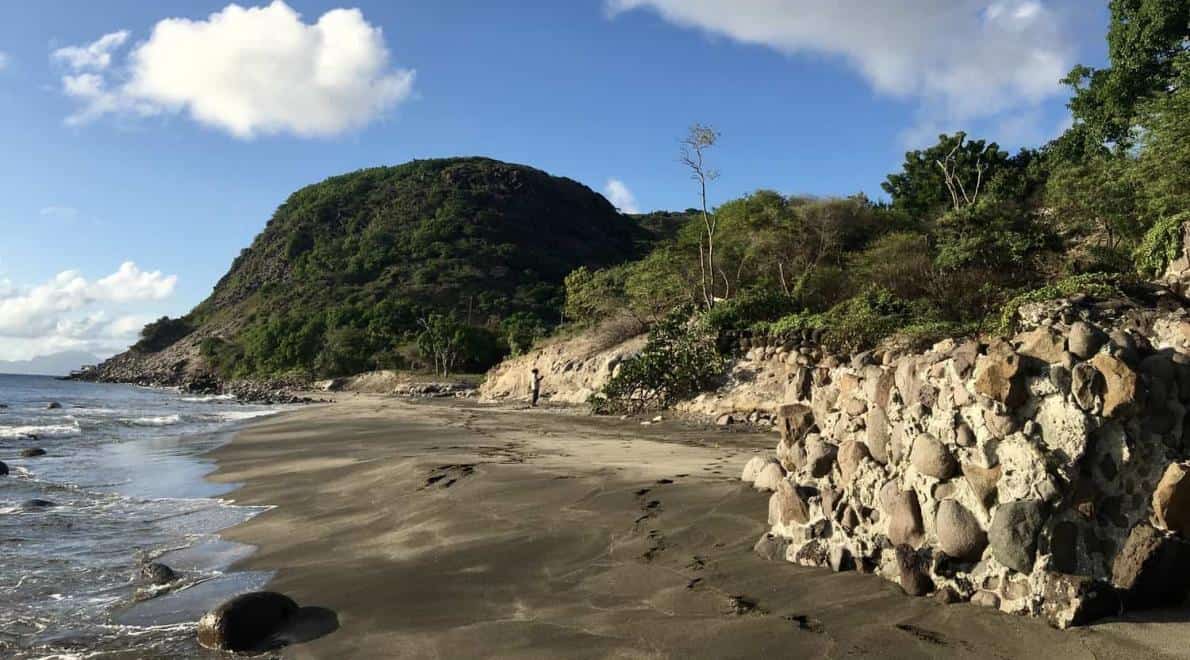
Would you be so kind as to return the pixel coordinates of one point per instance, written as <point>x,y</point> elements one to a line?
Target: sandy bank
<point>455,531</point>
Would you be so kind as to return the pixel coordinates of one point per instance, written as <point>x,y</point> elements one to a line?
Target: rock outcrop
<point>1044,474</point>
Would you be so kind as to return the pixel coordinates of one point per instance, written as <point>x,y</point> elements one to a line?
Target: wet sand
<point>456,530</point>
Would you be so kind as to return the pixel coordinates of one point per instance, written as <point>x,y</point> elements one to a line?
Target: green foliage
<point>346,268</point>
<point>1161,245</point>
<point>441,342</point>
<point>1145,40</point>
<point>521,330</point>
<point>1098,285</point>
<point>920,190</point>
<point>987,235</point>
<point>592,296</point>
<point>1096,200</point>
<point>678,361</point>
<point>743,312</point>
<point>161,333</point>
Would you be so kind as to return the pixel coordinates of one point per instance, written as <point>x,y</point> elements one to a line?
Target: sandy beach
<point>456,530</point>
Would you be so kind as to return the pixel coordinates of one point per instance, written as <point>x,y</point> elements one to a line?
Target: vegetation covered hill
<point>467,255</point>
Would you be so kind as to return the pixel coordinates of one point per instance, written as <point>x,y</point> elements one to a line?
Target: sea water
<point>124,470</point>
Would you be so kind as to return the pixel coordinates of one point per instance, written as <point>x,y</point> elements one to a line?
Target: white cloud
<point>620,196</point>
<point>59,212</point>
<point>247,71</point>
<point>958,60</point>
<point>56,307</point>
<point>95,56</point>
<point>4,60</point>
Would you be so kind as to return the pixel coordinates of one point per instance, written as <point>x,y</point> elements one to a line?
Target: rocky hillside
<point>346,269</point>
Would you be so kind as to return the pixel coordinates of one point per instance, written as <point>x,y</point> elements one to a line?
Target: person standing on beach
<point>535,386</point>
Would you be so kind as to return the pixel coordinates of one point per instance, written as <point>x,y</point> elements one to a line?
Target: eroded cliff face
<point>572,369</point>
<point>1040,475</point>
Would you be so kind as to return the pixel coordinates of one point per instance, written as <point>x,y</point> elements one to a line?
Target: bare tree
<point>697,142</point>
<point>954,178</point>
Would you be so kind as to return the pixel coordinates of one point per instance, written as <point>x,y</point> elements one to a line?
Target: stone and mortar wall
<point>1039,475</point>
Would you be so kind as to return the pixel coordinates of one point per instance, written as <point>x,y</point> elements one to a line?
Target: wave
<point>162,420</point>
<point>210,398</point>
<point>237,415</point>
<point>55,430</point>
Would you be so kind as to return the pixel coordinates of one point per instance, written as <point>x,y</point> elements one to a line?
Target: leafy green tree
<point>1096,200</point>
<point>593,295</point>
<point>1144,41</point>
<point>521,330</point>
<point>947,175</point>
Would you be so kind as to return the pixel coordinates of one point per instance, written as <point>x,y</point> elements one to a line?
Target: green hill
<point>347,270</point>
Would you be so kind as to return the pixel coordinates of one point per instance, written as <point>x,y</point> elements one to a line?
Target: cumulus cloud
<point>959,60</point>
<point>58,307</point>
<point>247,71</point>
<point>620,196</point>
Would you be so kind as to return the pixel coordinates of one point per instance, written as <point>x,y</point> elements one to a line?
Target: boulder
<point>1084,385</point>
<point>1120,385</point>
<point>998,376</point>
<point>3,468</point>
<point>986,599</point>
<point>1171,499</point>
<point>157,573</point>
<point>820,456</point>
<point>964,436</point>
<point>753,467</point>
<point>724,420</point>
<point>876,427</point>
<point>840,559</point>
<point>770,476</point>
<point>788,505</point>
<point>32,452</point>
<point>904,518</point>
<point>959,533</point>
<point>1041,344</point>
<point>1013,534</point>
<point>930,457</point>
<point>851,454</point>
<point>794,421</point>
<point>1151,569</point>
<point>1084,339</point>
<point>771,547</point>
<point>1076,600</point>
<point>37,505</point>
<point>246,622</point>
<point>914,578</point>
<point>54,405</point>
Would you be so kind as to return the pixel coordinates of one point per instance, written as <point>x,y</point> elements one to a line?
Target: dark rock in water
<point>32,452</point>
<point>36,504</point>
<point>3,468</point>
<point>157,573</point>
<point>247,622</point>
<point>54,405</point>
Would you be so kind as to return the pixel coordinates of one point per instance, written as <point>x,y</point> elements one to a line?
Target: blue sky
<point>145,148</point>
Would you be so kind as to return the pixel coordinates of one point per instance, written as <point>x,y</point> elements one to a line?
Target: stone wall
<point>1040,474</point>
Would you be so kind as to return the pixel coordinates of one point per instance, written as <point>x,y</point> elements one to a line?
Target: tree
<point>1096,200</point>
<point>440,341</point>
<point>1144,40</point>
<point>949,174</point>
<point>697,142</point>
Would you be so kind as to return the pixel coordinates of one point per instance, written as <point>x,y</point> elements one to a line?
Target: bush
<point>1099,285</point>
<point>746,310</point>
<point>521,330</point>
<point>162,333</point>
<point>1161,245</point>
<point>678,361</point>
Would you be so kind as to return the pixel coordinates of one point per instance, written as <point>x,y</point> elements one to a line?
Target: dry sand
<point>460,531</point>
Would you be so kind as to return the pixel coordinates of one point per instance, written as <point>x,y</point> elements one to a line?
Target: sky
<point>146,144</point>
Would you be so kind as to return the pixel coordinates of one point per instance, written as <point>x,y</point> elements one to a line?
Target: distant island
<point>52,364</point>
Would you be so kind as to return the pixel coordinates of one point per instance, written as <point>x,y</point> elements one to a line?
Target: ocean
<point>123,473</point>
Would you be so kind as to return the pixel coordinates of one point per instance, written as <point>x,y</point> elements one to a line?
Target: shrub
<point>1161,245</point>
<point>1099,285</point>
<point>679,360</point>
<point>521,330</point>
